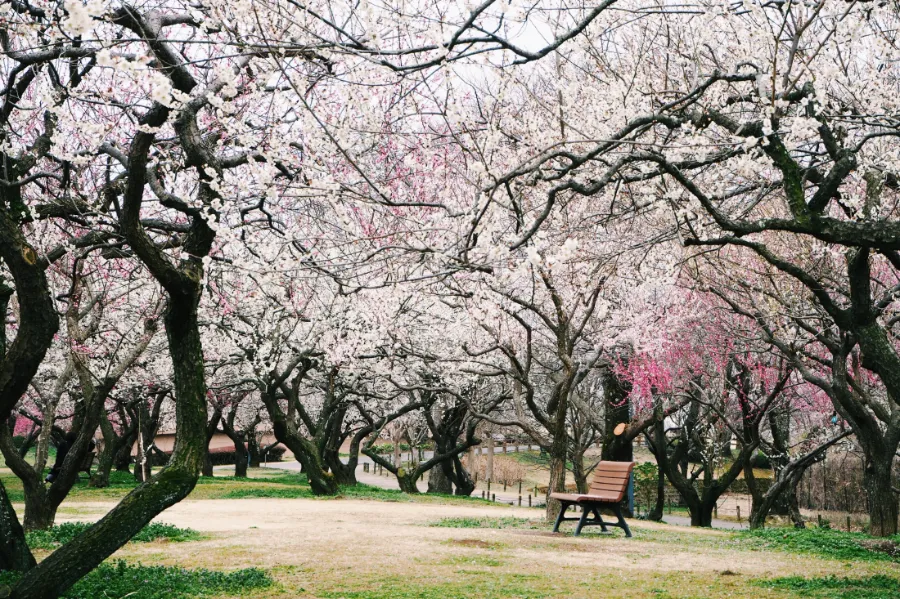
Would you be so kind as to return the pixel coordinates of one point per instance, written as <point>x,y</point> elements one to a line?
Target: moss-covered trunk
<point>40,512</point>
<point>407,480</point>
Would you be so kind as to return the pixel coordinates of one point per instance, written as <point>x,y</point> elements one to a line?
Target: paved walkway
<point>511,498</point>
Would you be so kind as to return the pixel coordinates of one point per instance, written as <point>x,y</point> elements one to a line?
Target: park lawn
<point>358,549</point>
<point>376,544</point>
<point>261,483</point>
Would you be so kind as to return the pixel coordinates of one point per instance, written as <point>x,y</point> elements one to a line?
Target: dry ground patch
<point>362,549</point>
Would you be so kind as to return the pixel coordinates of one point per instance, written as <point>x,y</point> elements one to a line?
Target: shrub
<point>645,480</point>
<point>761,460</point>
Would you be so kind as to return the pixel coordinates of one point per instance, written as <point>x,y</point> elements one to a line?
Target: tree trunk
<point>702,513</point>
<point>240,464</point>
<point>882,498</point>
<point>439,482</point>
<point>344,474</point>
<point>142,467</point>
<point>396,453</point>
<point>14,552</point>
<point>320,480</point>
<point>656,514</point>
<point>254,450</point>
<point>207,469</point>
<point>407,481</point>
<point>557,474</point>
<point>100,477</point>
<point>617,448</point>
<point>489,458</point>
<point>123,457</point>
<point>40,512</point>
<point>578,472</point>
<point>463,480</point>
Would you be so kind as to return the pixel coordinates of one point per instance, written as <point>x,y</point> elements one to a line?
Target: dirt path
<point>511,497</point>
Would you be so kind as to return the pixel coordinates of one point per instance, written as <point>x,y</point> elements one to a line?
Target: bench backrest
<point>611,480</point>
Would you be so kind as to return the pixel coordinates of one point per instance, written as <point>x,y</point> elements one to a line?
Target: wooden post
<point>739,513</point>
<point>529,500</point>
<point>848,522</point>
<point>504,486</point>
<point>489,487</point>
<point>520,505</point>
<point>482,493</point>
<point>520,487</point>
<point>716,511</point>
<point>819,518</point>
<point>494,497</point>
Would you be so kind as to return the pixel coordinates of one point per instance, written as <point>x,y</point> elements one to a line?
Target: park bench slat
<point>612,474</point>
<point>616,466</point>
<point>614,483</point>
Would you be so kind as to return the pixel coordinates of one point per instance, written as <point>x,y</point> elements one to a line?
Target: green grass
<point>277,493</point>
<point>159,582</point>
<point>487,522</point>
<point>261,484</point>
<point>468,583</point>
<point>63,533</point>
<point>822,542</point>
<point>833,587</point>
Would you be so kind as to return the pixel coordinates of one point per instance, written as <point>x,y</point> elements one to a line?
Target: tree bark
<point>439,482</point>
<point>408,480</point>
<point>656,514</point>
<point>489,456</point>
<point>882,499</point>
<point>462,480</point>
<point>14,552</point>
<point>212,426</point>
<point>578,471</point>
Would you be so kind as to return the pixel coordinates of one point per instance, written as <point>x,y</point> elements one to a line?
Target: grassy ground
<point>267,538</point>
<point>262,483</point>
<point>387,550</point>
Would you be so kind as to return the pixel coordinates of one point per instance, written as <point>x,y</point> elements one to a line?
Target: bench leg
<point>600,520</point>
<point>562,514</point>
<point>584,514</point>
<point>618,511</point>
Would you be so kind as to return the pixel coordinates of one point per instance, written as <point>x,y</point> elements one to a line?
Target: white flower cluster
<point>81,15</point>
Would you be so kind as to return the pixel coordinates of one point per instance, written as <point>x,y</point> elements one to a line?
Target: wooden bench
<point>607,491</point>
